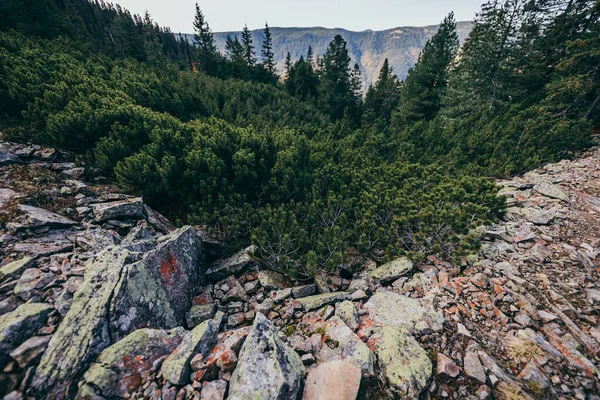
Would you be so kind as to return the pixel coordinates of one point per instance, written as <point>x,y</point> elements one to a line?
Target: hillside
<point>369,48</point>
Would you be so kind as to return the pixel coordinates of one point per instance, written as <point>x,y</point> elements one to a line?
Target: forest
<point>300,162</point>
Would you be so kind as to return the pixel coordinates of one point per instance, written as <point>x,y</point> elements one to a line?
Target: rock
<point>35,218</point>
<point>74,173</point>
<point>335,380</point>
<point>321,284</point>
<point>120,370</point>
<point>549,190</point>
<point>546,316</point>
<point>30,281</point>
<point>320,300</point>
<point>523,320</point>
<point>445,366</point>
<point>393,270</point>
<point>199,314</point>
<point>392,309</point>
<point>538,217</point>
<point>7,158</point>
<point>236,291</point>
<point>534,377</point>
<point>214,390</point>
<point>267,368</point>
<point>122,291</point>
<point>347,313</point>
<point>15,269</point>
<point>223,357</point>
<point>233,265</point>
<point>128,208</point>
<point>176,368</point>
<point>473,367</point>
<point>483,392</point>
<point>272,280</point>
<point>281,295</point>
<point>303,291</point>
<point>55,242</point>
<point>340,343</point>
<point>19,325</point>
<point>235,320</point>
<point>309,359</point>
<point>8,305</point>
<point>30,350</point>
<point>96,240</point>
<point>403,363</point>
<point>5,195</point>
<point>157,221</point>
<point>480,280</point>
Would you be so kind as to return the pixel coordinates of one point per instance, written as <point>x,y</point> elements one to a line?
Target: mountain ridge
<point>369,48</point>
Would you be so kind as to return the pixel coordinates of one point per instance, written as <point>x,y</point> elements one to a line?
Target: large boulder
<point>393,270</point>
<point>128,208</point>
<point>392,309</point>
<point>119,370</point>
<point>19,325</point>
<point>267,368</point>
<point>317,301</point>
<point>340,343</point>
<point>405,365</point>
<point>336,380</point>
<point>122,292</point>
<point>176,368</point>
<point>34,217</point>
<point>233,265</point>
<point>15,269</point>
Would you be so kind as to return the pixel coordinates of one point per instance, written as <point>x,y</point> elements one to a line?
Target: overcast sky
<point>357,15</point>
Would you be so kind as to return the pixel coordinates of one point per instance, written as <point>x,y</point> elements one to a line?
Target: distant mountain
<point>369,48</point>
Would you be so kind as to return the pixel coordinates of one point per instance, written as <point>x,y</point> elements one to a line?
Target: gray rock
<point>176,368</point>
<point>281,295</point>
<point>5,195</point>
<point>233,265</point>
<point>267,368</point>
<point>214,390</point>
<point>34,217</point>
<point>120,369</point>
<point>320,300</point>
<point>393,270</point>
<point>19,325</point>
<point>272,280</point>
<point>199,314</point>
<point>15,269</point>
<point>549,190</point>
<point>73,173</point>
<point>128,208</point>
<point>405,365</point>
<point>473,367</point>
<point>336,380</point>
<point>30,350</point>
<point>342,344</point>
<point>392,309</point>
<point>96,240</point>
<point>535,377</point>
<point>122,291</point>
<point>9,304</point>
<point>348,313</point>
<point>303,291</point>
<point>31,281</point>
<point>7,158</point>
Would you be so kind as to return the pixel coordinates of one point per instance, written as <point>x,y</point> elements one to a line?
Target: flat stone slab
<point>35,217</point>
<point>393,270</point>
<point>15,269</point>
<point>128,208</point>
<point>320,300</point>
<point>335,380</point>
<point>233,265</point>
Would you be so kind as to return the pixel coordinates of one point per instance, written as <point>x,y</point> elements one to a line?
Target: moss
<point>320,331</point>
<point>289,330</point>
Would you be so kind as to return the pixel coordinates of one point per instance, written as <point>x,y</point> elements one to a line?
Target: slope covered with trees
<point>295,161</point>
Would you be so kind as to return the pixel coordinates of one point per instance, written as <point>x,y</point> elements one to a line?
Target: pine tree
<point>267,51</point>
<point>426,82</point>
<point>310,58</point>
<point>302,81</point>
<point>356,82</point>
<point>249,56</point>
<point>288,66</point>
<point>336,92</point>
<point>205,41</point>
<point>382,98</point>
<point>234,50</point>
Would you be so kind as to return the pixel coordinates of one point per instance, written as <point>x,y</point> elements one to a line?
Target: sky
<point>355,15</point>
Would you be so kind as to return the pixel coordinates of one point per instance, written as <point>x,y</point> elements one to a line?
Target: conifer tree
<point>205,41</point>
<point>234,50</point>
<point>426,82</point>
<point>288,66</point>
<point>249,55</point>
<point>336,86</point>
<point>383,97</point>
<point>310,56</point>
<point>267,51</point>
<point>356,82</point>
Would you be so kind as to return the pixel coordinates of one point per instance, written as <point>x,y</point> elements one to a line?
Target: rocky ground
<point>101,297</point>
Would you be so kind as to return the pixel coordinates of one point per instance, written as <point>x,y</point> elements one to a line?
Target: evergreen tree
<point>205,41</point>
<point>426,82</point>
<point>382,98</point>
<point>310,56</point>
<point>249,56</point>
<point>302,81</point>
<point>267,51</point>
<point>234,50</point>
<point>356,82</point>
<point>288,66</point>
<point>336,91</point>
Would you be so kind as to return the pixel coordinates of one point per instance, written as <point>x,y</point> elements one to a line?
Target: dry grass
<point>508,392</point>
<point>523,351</point>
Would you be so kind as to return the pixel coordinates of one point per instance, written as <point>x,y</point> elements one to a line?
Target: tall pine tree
<point>383,97</point>
<point>249,55</point>
<point>267,51</point>
<point>336,91</point>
